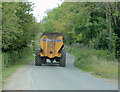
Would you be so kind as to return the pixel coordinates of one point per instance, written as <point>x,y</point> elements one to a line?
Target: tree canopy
<point>93,24</point>
<point>18,25</point>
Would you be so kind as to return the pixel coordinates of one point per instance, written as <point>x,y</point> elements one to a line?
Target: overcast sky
<point>42,5</point>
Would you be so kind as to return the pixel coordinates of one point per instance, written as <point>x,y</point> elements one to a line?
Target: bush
<point>102,41</point>
<point>11,57</point>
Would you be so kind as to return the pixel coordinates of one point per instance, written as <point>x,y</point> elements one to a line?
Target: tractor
<point>52,48</point>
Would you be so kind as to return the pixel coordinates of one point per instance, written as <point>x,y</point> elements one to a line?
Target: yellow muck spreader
<point>51,48</point>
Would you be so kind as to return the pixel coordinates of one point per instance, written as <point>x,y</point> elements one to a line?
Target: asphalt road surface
<point>54,77</point>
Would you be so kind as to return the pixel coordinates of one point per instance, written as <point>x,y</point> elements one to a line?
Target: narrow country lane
<point>54,77</point>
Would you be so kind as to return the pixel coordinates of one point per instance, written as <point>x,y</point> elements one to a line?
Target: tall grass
<point>98,62</point>
<point>0,71</point>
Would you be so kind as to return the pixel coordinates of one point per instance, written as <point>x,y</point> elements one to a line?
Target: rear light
<point>41,53</point>
<point>59,53</point>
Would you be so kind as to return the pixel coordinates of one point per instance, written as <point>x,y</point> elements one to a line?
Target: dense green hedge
<point>12,57</point>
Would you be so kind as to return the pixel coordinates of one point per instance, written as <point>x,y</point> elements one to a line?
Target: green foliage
<point>86,23</point>
<point>19,26</point>
<point>19,29</point>
<point>7,71</point>
<point>98,62</point>
<point>101,40</point>
<point>12,57</point>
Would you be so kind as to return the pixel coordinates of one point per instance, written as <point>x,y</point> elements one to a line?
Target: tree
<point>18,25</point>
<point>96,25</point>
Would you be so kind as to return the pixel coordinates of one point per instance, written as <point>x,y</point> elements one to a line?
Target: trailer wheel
<point>58,60</point>
<point>38,60</point>
<point>44,60</point>
<point>63,59</point>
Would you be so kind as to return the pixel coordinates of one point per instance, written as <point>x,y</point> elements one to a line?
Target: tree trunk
<point>108,20</point>
<point>110,32</point>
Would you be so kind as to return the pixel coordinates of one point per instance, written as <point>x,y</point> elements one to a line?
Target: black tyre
<point>38,60</point>
<point>58,60</point>
<point>44,61</point>
<point>63,59</point>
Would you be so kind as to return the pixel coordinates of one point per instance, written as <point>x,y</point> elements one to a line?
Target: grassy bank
<point>97,62</point>
<point>7,71</point>
<point>13,60</point>
<point>0,71</point>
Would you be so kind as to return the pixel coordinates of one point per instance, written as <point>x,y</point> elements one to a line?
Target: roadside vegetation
<point>16,60</point>
<point>19,30</point>
<point>97,62</point>
<point>95,26</point>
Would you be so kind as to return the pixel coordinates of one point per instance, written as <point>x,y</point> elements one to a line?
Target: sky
<point>41,6</point>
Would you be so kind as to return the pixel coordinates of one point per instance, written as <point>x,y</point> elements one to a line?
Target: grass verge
<point>0,71</point>
<point>97,62</point>
<point>7,71</point>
